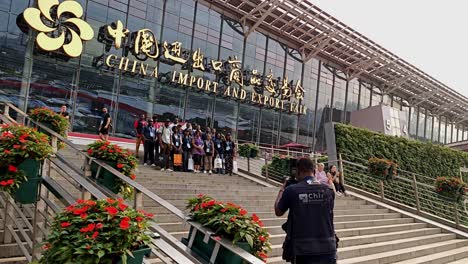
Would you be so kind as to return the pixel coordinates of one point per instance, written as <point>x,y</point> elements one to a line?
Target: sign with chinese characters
<point>231,80</point>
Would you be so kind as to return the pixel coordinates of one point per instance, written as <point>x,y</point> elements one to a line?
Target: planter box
<point>105,178</point>
<point>204,250</point>
<point>27,193</point>
<point>138,256</point>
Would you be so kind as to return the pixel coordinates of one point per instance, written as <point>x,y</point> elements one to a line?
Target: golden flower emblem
<point>59,26</point>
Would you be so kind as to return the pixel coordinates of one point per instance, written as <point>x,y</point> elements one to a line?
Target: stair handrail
<point>140,190</point>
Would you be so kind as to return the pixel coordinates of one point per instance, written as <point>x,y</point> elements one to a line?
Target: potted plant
<point>248,151</point>
<point>232,222</point>
<point>22,150</point>
<point>451,187</point>
<point>118,158</point>
<point>102,231</point>
<point>383,168</point>
<point>50,119</point>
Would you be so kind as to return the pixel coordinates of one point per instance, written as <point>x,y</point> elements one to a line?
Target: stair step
<point>14,260</point>
<point>381,237</point>
<point>407,253</point>
<point>439,258</point>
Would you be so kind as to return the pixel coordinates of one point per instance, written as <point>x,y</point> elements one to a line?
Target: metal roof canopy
<point>314,33</point>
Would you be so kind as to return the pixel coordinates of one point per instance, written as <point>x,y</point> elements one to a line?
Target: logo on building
<point>59,26</point>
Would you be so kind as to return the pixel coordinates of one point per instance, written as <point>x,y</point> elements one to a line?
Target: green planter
<point>138,256</point>
<point>106,178</point>
<point>27,193</point>
<point>225,256</point>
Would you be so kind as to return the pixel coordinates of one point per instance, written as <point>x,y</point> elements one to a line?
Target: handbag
<point>190,164</point>
<point>177,159</point>
<point>234,166</point>
<point>218,163</point>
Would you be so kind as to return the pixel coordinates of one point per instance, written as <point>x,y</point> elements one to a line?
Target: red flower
<point>233,219</point>
<point>120,165</point>
<point>217,238</point>
<point>201,195</point>
<point>46,246</point>
<point>80,211</point>
<point>111,210</point>
<point>197,207</point>
<point>133,176</point>
<point>223,210</point>
<point>261,238</point>
<point>139,218</point>
<point>3,183</point>
<point>80,201</point>
<point>98,225</point>
<point>122,206</point>
<point>110,200</point>
<point>260,223</point>
<point>7,151</point>
<point>16,146</point>
<point>243,212</point>
<point>111,151</point>
<point>12,168</point>
<point>88,246</point>
<point>70,208</point>
<point>255,218</point>
<point>89,228</point>
<point>95,234</point>
<point>150,215</point>
<point>263,256</point>
<point>90,151</point>
<point>65,224</point>
<point>83,216</point>
<point>125,223</point>
<point>10,182</point>
<point>91,203</point>
<point>103,147</point>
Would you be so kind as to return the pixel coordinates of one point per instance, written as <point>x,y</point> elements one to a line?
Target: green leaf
<point>101,253</point>
<point>249,240</point>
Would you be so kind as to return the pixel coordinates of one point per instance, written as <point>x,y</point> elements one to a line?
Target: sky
<point>430,34</point>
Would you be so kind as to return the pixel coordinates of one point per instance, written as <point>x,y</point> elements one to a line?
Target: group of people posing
<point>184,147</point>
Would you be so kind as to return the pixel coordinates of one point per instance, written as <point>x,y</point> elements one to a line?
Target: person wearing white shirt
<point>165,141</point>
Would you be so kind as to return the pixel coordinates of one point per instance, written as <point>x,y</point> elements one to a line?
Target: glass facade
<point>31,78</point>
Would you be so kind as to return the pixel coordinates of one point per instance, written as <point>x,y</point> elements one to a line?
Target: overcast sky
<point>430,34</point>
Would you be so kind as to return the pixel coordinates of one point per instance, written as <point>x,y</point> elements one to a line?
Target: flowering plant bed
<point>54,121</point>
<point>121,159</point>
<point>232,222</point>
<point>382,167</point>
<point>102,231</point>
<point>450,187</point>
<point>18,144</point>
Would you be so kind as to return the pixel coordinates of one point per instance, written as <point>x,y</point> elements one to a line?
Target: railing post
<point>8,220</point>
<point>138,200</point>
<point>457,217</point>
<point>54,144</point>
<point>416,194</point>
<point>382,196</point>
<point>87,167</point>
<point>340,163</point>
<point>266,166</point>
<point>248,163</point>
<point>38,222</point>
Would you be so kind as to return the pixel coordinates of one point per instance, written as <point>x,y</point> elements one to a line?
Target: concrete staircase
<point>368,234</point>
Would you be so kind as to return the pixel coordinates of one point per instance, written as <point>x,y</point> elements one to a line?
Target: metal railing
<point>168,248</point>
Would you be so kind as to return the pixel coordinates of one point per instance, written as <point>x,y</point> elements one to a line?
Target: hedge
<point>357,145</point>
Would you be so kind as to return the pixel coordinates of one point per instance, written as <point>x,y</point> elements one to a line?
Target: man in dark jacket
<point>310,232</point>
<point>149,136</point>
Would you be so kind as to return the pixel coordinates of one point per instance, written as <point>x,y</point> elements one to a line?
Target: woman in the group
<point>229,153</point>
<point>197,151</point>
<point>218,142</point>
<point>186,148</point>
<point>334,177</point>
<point>176,147</point>
<point>209,149</point>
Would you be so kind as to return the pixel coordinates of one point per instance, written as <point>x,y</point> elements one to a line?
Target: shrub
<point>450,187</point>
<point>18,143</point>
<point>232,222</point>
<point>124,160</point>
<point>382,168</point>
<point>278,168</point>
<point>56,122</point>
<point>102,231</point>
<point>248,151</point>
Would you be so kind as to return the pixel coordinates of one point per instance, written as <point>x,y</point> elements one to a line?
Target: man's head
<point>104,110</point>
<point>155,117</point>
<point>166,123</point>
<point>320,167</point>
<point>150,122</point>
<point>142,117</point>
<point>63,108</point>
<point>176,121</point>
<point>305,167</point>
<point>208,130</point>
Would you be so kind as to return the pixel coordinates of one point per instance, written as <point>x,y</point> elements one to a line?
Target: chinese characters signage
<point>232,80</point>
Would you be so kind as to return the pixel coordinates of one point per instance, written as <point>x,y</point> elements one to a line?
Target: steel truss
<point>314,33</point>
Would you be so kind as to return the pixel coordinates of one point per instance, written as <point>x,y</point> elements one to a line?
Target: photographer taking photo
<point>310,233</point>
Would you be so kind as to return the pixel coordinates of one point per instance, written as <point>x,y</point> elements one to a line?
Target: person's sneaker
<point>162,169</point>
<point>209,172</point>
<point>152,165</point>
<point>169,170</point>
<point>204,171</point>
<point>144,164</point>
<point>339,194</point>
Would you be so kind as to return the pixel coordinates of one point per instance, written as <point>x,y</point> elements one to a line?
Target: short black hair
<point>305,165</point>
